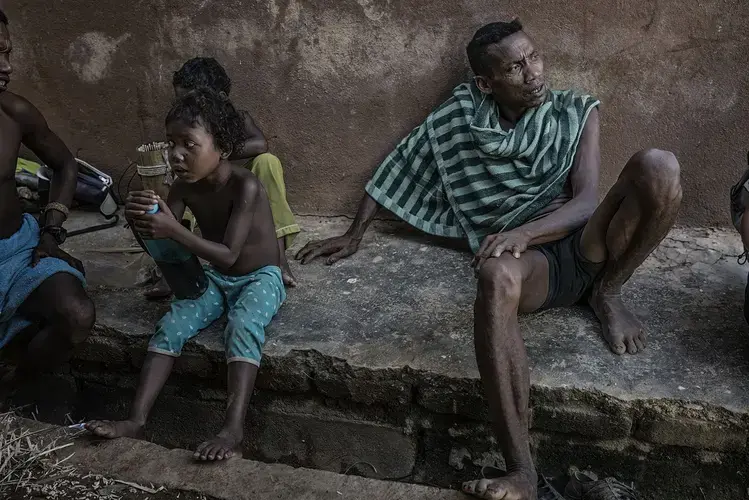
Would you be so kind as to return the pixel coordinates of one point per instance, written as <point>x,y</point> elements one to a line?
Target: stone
<point>581,420</point>
<point>692,433</point>
<point>312,436</point>
<point>105,350</point>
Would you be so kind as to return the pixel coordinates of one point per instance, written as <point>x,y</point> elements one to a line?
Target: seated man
<point>513,167</point>
<point>44,309</point>
<point>207,72</point>
<point>239,242</point>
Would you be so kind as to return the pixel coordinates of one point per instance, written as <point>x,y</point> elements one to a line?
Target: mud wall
<point>335,83</point>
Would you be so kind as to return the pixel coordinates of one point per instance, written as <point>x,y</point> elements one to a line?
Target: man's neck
<point>509,114</point>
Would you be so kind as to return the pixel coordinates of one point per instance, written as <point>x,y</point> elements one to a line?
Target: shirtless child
<point>252,153</point>
<point>238,240</point>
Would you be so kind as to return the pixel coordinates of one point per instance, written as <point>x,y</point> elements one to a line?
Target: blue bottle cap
<point>154,209</point>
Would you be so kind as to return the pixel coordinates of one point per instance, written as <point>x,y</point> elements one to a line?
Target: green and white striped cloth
<point>460,175</point>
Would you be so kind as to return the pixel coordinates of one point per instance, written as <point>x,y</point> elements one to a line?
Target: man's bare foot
<point>223,447</point>
<point>111,430</point>
<point>159,291</point>
<point>621,328</point>
<point>513,486</point>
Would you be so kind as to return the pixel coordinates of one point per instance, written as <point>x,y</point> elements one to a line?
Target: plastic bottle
<point>181,269</point>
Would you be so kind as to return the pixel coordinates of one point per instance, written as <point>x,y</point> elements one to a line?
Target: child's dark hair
<point>214,112</point>
<point>202,72</point>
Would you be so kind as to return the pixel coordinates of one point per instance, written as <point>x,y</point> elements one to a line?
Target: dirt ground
<point>91,487</point>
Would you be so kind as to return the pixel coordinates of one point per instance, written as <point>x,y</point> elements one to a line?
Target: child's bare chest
<point>212,212</point>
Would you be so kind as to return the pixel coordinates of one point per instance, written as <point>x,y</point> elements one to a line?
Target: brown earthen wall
<point>336,83</point>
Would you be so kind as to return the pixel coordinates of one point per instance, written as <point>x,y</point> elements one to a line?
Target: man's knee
<point>658,172</point>
<point>77,315</point>
<point>500,279</point>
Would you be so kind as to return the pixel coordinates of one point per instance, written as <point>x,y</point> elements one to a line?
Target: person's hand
<point>336,249</point>
<point>48,248</point>
<point>138,203</point>
<point>494,245</point>
<point>162,224</point>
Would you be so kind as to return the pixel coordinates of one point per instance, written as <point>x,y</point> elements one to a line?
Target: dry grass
<point>34,464</point>
<point>30,456</point>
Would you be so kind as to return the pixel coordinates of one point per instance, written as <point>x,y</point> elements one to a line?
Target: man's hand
<point>336,249</point>
<point>494,245</point>
<point>162,224</point>
<point>48,248</point>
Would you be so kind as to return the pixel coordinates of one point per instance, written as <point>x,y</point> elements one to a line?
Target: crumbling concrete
<point>370,363</point>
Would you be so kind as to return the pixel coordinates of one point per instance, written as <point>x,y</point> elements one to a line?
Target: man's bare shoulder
<point>18,108</point>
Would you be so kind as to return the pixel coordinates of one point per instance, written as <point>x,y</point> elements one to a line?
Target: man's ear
<point>225,154</point>
<point>483,84</point>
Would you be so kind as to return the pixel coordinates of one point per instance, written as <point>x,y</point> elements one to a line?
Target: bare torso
<point>10,131</point>
<point>212,211</point>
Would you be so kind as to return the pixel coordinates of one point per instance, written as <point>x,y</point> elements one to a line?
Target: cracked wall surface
<point>335,84</point>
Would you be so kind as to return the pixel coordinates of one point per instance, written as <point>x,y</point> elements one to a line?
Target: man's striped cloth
<point>460,175</point>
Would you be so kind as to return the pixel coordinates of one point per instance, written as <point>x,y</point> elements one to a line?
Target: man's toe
<point>631,347</point>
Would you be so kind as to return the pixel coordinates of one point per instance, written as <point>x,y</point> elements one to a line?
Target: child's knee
<point>244,341</point>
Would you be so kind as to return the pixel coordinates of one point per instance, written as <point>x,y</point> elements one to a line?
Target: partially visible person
<point>739,210</point>
<point>238,240</point>
<point>44,309</point>
<point>207,72</point>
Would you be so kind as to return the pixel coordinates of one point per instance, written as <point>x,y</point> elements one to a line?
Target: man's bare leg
<point>66,315</point>
<point>229,440</point>
<point>508,285</point>
<point>635,216</point>
<point>63,317</point>
<point>153,376</point>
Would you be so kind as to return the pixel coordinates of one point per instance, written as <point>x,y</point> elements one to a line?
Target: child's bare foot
<point>288,278</point>
<point>160,290</point>
<point>111,430</point>
<point>222,447</point>
<point>286,274</point>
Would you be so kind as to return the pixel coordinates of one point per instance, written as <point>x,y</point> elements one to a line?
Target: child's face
<point>192,153</point>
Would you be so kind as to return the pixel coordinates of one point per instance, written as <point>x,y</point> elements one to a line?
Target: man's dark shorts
<point>570,274</point>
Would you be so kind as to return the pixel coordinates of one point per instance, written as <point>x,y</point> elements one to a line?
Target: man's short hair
<point>3,17</point>
<point>202,72</point>
<point>215,112</point>
<point>489,35</point>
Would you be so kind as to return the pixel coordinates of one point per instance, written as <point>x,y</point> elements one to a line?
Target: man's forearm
<point>368,208</point>
<point>560,223</point>
<point>62,190</point>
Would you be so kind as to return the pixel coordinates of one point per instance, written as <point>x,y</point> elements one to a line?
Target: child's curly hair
<point>202,72</point>
<point>214,112</point>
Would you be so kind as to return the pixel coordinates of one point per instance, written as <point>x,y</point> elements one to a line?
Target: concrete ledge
<point>238,479</point>
<point>385,338</point>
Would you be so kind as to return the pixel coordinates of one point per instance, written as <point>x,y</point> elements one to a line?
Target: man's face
<point>5,49</point>
<point>192,153</point>
<point>517,73</point>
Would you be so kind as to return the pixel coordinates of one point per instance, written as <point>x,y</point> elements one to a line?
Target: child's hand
<point>162,224</point>
<point>139,202</point>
